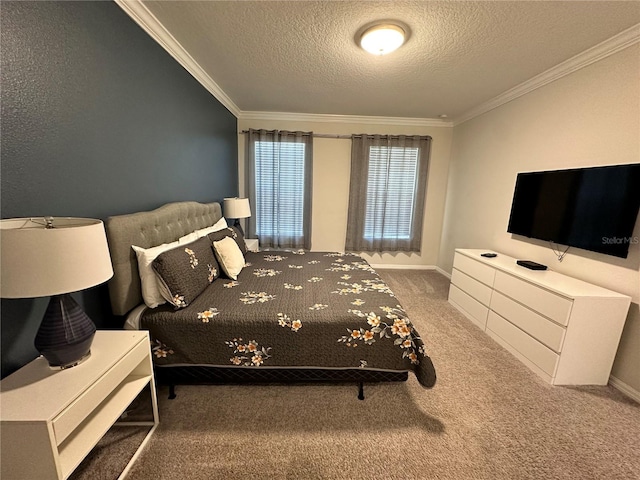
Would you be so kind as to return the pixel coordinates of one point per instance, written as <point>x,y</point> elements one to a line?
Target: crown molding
<point>624,39</point>
<point>328,118</point>
<point>150,24</point>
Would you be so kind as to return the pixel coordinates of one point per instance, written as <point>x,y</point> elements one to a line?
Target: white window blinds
<point>279,166</point>
<point>387,193</point>
<point>279,188</point>
<point>392,171</point>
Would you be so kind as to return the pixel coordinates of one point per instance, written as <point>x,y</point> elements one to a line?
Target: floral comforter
<point>293,309</point>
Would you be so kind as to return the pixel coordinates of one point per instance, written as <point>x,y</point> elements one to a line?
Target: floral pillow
<point>148,280</point>
<point>239,238</point>
<point>184,272</point>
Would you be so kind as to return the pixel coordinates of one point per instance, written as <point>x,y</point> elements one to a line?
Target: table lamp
<point>237,208</point>
<point>49,256</point>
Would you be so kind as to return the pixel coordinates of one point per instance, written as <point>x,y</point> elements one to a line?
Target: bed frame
<point>164,225</point>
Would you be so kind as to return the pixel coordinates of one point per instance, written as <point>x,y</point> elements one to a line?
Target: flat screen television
<point>591,208</point>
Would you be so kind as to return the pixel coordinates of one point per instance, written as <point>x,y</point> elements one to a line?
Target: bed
<point>290,315</point>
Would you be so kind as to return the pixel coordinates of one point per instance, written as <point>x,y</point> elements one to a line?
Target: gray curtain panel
<point>279,166</point>
<point>387,193</point>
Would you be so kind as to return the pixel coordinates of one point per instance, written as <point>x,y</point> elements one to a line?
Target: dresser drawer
<point>67,421</point>
<point>470,305</point>
<point>471,286</point>
<point>475,269</point>
<point>543,329</point>
<point>526,345</point>
<point>547,303</point>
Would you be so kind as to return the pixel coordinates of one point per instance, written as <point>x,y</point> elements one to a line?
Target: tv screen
<point>590,208</point>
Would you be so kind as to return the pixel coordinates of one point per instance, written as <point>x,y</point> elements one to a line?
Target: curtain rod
<point>347,137</point>
<point>315,135</point>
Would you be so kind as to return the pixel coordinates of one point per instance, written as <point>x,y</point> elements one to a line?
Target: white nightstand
<point>252,244</point>
<point>51,419</point>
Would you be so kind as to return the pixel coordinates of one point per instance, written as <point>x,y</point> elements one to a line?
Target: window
<point>279,184</point>
<point>387,192</point>
<point>279,188</point>
<point>395,170</point>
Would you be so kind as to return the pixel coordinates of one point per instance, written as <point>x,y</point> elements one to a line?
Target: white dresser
<point>564,329</point>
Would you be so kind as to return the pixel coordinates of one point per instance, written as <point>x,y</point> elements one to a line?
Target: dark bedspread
<point>293,309</point>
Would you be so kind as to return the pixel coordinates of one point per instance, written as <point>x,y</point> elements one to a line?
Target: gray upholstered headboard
<point>148,229</point>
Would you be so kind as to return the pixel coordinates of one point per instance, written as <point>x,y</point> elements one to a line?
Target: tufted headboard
<point>148,229</point>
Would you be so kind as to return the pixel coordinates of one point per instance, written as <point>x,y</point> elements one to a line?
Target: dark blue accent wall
<point>98,120</point>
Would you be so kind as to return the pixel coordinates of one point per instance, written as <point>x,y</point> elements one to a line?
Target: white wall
<point>331,170</point>
<point>590,117</point>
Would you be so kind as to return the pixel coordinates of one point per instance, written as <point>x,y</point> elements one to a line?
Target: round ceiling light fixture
<point>381,39</point>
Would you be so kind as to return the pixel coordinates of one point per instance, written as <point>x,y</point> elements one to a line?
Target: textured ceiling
<point>301,57</point>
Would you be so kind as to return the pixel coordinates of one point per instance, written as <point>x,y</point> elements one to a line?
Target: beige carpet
<point>488,417</point>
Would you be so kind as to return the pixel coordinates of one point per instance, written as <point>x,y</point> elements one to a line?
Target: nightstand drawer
<point>67,421</point>
<point>547,303</point>
<point>475,269</point>
<point>541,328</point>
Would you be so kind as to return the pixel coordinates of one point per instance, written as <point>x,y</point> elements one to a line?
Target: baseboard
<point>624,388</point>
<point>443,272</point>
<point>391,266</point>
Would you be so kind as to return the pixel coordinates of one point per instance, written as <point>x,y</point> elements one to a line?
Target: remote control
<point>488,255</point>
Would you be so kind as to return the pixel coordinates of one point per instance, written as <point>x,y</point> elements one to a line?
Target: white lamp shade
<point>237,207</point>
<point>36,261</point>
<point>382,39</point>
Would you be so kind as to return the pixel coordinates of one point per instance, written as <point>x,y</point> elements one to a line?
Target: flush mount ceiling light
<point>381,39</point>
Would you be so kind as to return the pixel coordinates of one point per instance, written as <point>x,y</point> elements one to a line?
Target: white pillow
<point>230,257</point>
<point>219,225</point>
<point>148,279</point>
<point>193,236</point>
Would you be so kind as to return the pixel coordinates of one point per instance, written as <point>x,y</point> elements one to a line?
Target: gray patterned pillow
<point>184,272</point>
<point>239,238</point>
<point>232,232</point>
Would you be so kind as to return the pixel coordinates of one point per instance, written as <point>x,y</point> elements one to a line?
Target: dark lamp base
<point>65,334</point>
<point>60,360</point>
<point>238,226</point>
